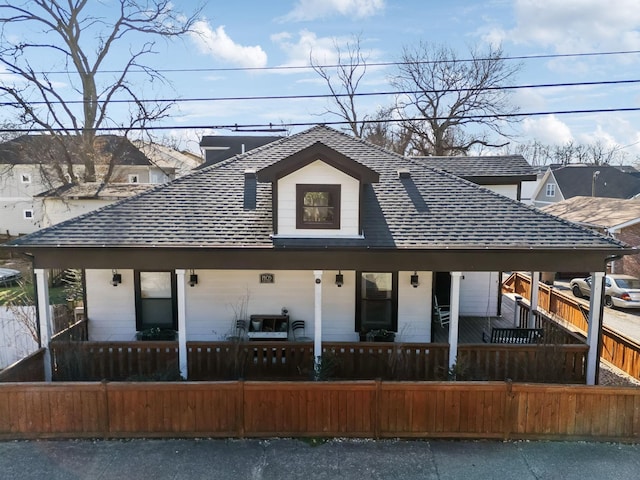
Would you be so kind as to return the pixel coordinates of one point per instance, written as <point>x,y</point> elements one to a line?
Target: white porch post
<point>595,320</point>
<point>44,314</point>
<point>317,318</point>
<point>454,309</point>
<point>182,324</point>
<point>535,289</point>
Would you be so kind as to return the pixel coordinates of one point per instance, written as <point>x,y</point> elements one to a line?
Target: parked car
<point>621,291</point>
<point>9,276</point>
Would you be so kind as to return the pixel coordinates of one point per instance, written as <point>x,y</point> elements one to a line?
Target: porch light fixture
<point>116,279</point>
<point>193,279</point>
<point>415,280</point>
<point>339,279</point>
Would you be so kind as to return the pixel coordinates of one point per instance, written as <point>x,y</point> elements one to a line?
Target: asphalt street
<point>309,460</point>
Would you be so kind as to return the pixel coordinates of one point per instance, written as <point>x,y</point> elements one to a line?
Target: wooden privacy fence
<point>29,369</point>
<point>328,409</point>
<point>618,349</point>
<point>207,361</point>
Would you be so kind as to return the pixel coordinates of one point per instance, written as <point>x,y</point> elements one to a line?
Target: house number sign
<point>267,278</point>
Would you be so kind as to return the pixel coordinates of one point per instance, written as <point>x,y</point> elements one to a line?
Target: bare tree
<point>83,43</point>
<point>441,97</point>
<point>597,153</point>
<point>382,130</point>
<point>343,81</point>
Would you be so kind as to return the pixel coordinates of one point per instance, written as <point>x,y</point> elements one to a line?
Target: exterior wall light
<point>339,279</point>
<point>415,280</point>
<point>193,279</point>
<point>116,279</point>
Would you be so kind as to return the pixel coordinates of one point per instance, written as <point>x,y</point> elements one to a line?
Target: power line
<point>275,127</point>
<point>339,95</point>
<point>375,64</point>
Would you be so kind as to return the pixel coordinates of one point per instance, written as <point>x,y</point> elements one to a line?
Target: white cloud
<point>548,130</point>
<point>298,50</point>
<point>220,46</point>
<point>577,25</point>
<point>306,10</point>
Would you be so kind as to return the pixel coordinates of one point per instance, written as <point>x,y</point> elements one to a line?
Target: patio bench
<point>513,335</point>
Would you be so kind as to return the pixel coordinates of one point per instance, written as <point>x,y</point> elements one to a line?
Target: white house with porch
<point>319,227</point>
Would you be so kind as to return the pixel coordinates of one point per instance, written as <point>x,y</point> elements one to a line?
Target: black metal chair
<point>239,333</point>
<point>298,331</point>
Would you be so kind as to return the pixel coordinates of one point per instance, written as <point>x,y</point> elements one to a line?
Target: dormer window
<point>318,206</point>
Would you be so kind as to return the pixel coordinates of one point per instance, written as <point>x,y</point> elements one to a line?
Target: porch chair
<point>299,334</point>
<point>239,332</point>
<point>441,313</point>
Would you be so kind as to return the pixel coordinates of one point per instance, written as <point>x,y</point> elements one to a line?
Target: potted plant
<point>156,333</point>
<point>377,335</point>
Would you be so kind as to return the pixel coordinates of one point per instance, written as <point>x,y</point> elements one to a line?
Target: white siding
<point>479,294</point>
<point>111,310</point>
<point>510,191</point>
<point>210,304</point>
<point>318,172</point>
<point>414,308</point>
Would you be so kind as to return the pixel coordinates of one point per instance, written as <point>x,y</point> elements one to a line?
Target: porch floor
<point>470,328</point>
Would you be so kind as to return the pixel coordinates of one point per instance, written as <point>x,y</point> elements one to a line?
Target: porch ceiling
<point>556,260</point>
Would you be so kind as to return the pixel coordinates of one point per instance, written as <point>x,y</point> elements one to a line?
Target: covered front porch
<point>327,300</point>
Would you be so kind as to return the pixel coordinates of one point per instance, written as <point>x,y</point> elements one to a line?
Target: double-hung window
<point>318,206</point>
<point>377,301</point>
<point>156,300</point>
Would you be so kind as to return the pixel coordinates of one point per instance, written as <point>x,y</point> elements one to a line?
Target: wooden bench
<point>513,335</point>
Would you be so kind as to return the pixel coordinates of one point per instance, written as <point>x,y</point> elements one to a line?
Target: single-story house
<point>617,218</point>
<point>337,232</point>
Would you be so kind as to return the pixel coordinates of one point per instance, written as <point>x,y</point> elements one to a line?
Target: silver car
<point>621,291</point>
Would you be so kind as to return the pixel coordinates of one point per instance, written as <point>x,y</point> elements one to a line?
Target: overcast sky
<point>250,34</point>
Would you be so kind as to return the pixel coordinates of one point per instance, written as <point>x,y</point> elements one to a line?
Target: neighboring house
<point>69,201</point>
<point>617,218</point>
<point>339,232</point>
<point>503,174</point>
<point>561,182</point>
<point>217,148</point>
<point>28,164</point>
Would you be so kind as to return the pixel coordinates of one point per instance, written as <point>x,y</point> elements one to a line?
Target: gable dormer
<point>317,192</point>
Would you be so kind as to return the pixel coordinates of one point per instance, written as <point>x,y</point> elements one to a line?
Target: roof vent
<point>404,173</point>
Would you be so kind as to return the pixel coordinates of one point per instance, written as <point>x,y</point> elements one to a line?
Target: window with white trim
<point>27,214</point>
<point>25,178</point>
<point>551,190</point>
<point>134,178</point>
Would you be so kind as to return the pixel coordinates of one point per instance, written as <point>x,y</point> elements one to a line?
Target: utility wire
<point>376,64</point>
<point>328,95</point>
<point>282,126</point>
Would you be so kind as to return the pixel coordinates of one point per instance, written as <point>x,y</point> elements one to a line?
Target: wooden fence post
<point>376,412</point>
<point>241,412</point>
<point>510,411</point>
<point>105,421</point>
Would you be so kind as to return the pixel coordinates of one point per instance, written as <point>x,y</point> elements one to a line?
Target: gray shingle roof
<point>481,166</point>
<point>212,208</point>
<point>36,149</point>
<point>576,180</point>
